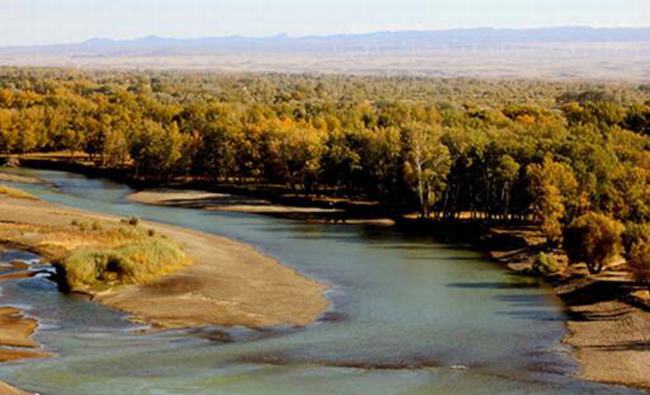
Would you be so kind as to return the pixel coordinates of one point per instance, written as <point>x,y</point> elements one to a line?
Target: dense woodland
<point>573,158</point>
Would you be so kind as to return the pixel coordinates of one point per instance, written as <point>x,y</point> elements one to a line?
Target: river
<point>409,315</point>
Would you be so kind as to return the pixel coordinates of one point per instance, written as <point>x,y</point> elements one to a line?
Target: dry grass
<point>97,255</point>
<point>107,254</point>
<point>138,262</point>
<point>15,193</point>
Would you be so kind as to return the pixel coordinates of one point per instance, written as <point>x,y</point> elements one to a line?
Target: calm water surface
<point>409,315</point>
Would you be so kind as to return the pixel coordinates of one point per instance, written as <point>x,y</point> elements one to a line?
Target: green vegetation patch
<point>143,259</point>
<point>546,264</point>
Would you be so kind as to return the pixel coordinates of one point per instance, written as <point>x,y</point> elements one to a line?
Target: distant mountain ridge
<point>398,41</point>
<point>575,53</point>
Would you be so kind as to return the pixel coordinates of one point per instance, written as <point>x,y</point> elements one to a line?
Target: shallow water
<point>409,315</point>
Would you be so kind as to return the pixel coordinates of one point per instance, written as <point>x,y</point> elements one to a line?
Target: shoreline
<point>610,336</point>
<point>263,199</point>
<point>242,288</point>
<point>6,389</point>
<point>604,359</point>
<point>607,336</point>
<point>16,334</point>
<point>228,283</point>
<point>608,328</point>
<point>612,351</point>
<point>232,203</point>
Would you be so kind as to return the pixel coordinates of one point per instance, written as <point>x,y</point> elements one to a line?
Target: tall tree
<point>552,186</point>
<point>427,165</point>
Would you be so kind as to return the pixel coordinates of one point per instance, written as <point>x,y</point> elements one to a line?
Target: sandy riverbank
<point>6,389</point>
<point>16,331</point>
<point>609,329</point>
<point>242,204</point>
<point>16,342</point>
<point>611,336</point>
<point>9,177</point>
<point>229,283</point>
<point>219,202</point>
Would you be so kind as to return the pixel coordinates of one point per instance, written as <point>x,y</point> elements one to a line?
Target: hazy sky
<point>56,21</point>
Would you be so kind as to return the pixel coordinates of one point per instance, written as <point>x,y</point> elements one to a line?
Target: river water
<point>409,315</point>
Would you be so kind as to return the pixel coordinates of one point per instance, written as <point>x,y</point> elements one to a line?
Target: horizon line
<point>327,35</point>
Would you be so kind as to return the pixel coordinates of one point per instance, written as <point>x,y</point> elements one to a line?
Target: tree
<point>342,160</point>
<point>594,239</point>
<point>639,261</point>
<point>427,164</point>
<point>552,187</point>
<point>299,149</point>
<point>638,119</point>
<point>156,149</point>
<point>27,130</point>
<point>636,244</point>
<point>7,135</point>
<point>115,148</point>
<point>216,150</point>
<point>507,172</point>
<point>381,162</point>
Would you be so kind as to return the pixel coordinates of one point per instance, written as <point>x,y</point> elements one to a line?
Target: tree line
<point>571,157</point>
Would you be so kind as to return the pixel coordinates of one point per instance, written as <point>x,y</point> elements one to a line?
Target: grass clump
<point>133,221</point>
<point>16,193</point>
<point>136,263</point>
<point>104,255</point>
<point>546,264</point>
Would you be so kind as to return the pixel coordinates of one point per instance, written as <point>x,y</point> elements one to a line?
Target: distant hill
<point>402,41</point>
<point>566,52</point>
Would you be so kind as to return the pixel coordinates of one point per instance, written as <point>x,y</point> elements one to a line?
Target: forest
<point>570,157</point>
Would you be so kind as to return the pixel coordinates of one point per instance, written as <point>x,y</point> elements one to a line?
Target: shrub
<point>139,262</point>
<point>594,239</point>
<point>636,242</point>
<point>133,221</point>
<point>639,261</point>
<point>634,233</point>
<point>546,264</point>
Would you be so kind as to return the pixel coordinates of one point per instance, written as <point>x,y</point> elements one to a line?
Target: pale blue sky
<point>56,21</point>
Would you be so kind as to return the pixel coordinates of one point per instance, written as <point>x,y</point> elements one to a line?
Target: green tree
<point>427,164</point>
<point>636,244</point>
<point>594,239</point>
<point>299,149</point>
<point>639,261</point>
<point>156,149</point>
<point>7,133</point>
<point>552,187</point>
<point>507,173</point>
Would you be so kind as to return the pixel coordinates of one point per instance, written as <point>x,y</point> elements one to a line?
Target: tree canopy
<point>542,152</point>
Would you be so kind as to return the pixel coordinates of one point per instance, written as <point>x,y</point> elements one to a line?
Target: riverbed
<point>409,315</point>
